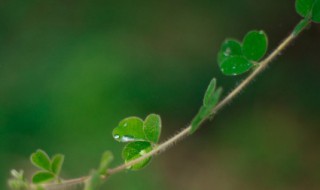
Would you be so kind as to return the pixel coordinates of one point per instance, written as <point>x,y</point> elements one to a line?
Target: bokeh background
<point>71,70</point>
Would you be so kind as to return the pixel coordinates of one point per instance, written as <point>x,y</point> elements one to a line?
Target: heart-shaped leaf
<point>255,45</point>
<point>57,162</point>
<point>135,150</point>
<point>309,9</point>
<point>229,48</point>
<point>42,176</point>
<point>152,127</point>
<point>129,129</point>
<point>41,160</point>
<point>235,65</point>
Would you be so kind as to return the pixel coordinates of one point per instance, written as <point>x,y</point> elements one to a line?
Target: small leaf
<point>235,65</point>
<point>210,92</point>
<point>42,176</point>
<point>135,150</point>
<point>56,165</point>
<point>206,110</point>
<point>129,129</point>
<point>41,160</point>
<point>229,48</point>
<point>106,159</point>
<point>93,182</point>
<point>255,45</point>
<point>309,9</point>
<point>152,127</point>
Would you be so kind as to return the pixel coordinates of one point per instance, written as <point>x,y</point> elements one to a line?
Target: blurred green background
<point>71,70</point>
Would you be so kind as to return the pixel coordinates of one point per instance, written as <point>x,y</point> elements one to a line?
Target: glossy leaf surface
<point>135,150</point>
<point>129,129</point>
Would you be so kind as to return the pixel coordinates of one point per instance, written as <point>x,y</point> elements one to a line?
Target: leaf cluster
<point>49,168</point>
<point>141,136</point>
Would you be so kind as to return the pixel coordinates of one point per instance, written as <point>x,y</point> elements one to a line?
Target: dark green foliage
<point>255,45</point>
<point>235,58</point>
<point>236,65</point>
<point>309,9</point>
<point>229,48</point>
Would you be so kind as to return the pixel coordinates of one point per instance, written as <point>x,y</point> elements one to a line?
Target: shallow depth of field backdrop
<point>71,70</point>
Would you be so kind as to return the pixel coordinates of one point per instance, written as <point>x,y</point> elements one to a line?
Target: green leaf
<point>229,48</point>
<point>135,150</point>
<point>129,129</point>
<point>93,182</point>
<point>42,176</point>
<point>152,127</point>
<point>206,109</point>
<point>57,162</point>
<point>316,12</point>
<point>41,160</point>
<point>309,9</point>
<point>210,92</point>
<point>255,45</point>
<point>235,65</point>
<point>106,159</point>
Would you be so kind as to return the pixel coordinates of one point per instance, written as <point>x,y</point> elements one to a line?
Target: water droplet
<point>127,138</point>
<point>116,136</point>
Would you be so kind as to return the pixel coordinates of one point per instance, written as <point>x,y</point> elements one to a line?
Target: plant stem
<point>186,131</point>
